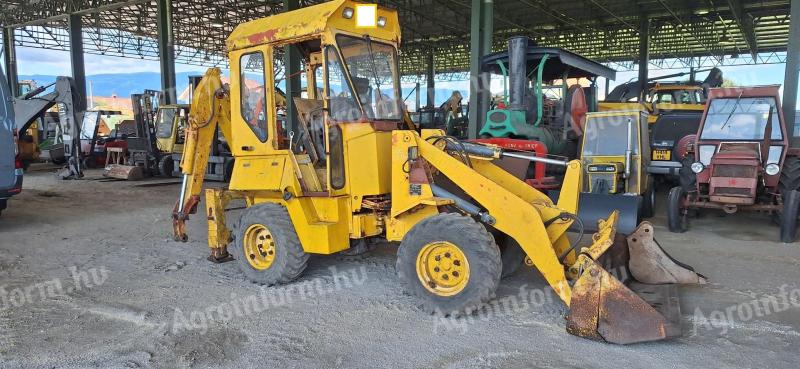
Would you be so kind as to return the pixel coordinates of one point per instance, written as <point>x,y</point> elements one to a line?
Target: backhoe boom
<point>211,109</point>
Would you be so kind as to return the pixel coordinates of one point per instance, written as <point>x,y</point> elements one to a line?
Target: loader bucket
<point>594,206</point>
<point>626,288</point>
<point>127,172</point>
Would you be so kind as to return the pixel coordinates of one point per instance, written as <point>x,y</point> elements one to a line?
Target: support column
<point>790,83</point>
<point>166,51</point>
<point>292,76</point>
<point>431,72</point>
<point>417,99</point>
<point>10,60</point>
<point>481,29</point>
<point>76,60</point>
<point>644,55</point>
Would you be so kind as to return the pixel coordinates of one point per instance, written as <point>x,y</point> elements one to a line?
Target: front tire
<point>677,221</point>
<point>512,256</point>
<point>267,247</point>
<point>166,166</point>
<point>451,263</point>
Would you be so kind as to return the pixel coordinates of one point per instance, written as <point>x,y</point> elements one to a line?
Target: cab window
<point>253,93</point>
<point>343,105</point>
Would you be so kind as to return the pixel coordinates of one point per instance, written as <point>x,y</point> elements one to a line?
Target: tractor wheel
<point>267,247</point>
<point>649,199</point>
<point>790,175</point>
<point>227,171</point>
<point>451,263</point>
<point>166,166</point>
<point>788,219</point>
<point>511,255</point>
<point>677,221</point>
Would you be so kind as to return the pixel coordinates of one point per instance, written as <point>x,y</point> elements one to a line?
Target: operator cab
<point>615,151</point>
<point>351,98</point>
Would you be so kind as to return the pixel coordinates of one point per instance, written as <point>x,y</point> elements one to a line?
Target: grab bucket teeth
<point>626,288</point>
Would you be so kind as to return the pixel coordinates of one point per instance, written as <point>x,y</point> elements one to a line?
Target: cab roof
<point>314,21</point>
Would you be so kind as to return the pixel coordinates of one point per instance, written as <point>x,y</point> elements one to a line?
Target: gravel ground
<point>91,279</point>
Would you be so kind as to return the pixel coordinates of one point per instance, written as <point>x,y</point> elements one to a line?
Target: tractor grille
<point>734,171</point>
<point>731,191</point>
<point>497,117</point>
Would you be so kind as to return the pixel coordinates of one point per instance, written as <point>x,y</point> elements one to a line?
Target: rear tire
<point>166,166</point>
<point>677,221</point>
<point>281,258</point>
<point>790,175</point>
<point>456,294</point>
<point>788,219</point>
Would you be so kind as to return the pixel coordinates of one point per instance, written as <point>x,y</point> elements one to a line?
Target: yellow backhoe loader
<point>353,172</point>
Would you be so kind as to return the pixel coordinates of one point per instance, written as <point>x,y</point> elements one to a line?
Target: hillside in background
<point>122,85</point>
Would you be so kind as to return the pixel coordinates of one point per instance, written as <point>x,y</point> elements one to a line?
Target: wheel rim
<point>442,268</point>
<point>259,247</point>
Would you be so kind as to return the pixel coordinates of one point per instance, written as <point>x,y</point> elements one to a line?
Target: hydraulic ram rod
<point>487,151</point>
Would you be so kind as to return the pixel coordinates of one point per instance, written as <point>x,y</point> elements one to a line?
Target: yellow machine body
<point>171,121</point>
<point>616,149</point>
<point>363,173</point>
<point>656,101</point>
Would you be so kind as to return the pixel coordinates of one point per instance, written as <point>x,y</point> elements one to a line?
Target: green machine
<point>525,110</point>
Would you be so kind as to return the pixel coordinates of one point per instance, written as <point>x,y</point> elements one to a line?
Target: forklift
<point>143,157</point>
<point>171,125</point>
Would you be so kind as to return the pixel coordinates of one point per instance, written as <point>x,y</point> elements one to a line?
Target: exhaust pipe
<point>518,72</point>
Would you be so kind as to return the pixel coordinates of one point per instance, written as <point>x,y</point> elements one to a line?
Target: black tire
<point>512,256</point>
<point>480,251</point>
<point>649,199</point>
<point>788,219</point>
<point>59,161</point>
<point>166,166</point>
<point>676,220</point>
<point>790,175</point>
<point>227,170</point>
<point>290,259</point>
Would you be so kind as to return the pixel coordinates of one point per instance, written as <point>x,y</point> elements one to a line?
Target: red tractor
<point>740,159</point>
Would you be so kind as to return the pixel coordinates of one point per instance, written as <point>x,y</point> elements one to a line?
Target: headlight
<point>381,21</point>
<point>348,13</point>
<point>772,169</point>
<point>698,167</point>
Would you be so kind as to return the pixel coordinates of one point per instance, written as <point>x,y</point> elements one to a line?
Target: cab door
<point>253,113</point>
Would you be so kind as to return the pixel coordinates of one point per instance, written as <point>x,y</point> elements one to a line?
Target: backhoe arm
<point>211,109</point>
<point>29,107</point>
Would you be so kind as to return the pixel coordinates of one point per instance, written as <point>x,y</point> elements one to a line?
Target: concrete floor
<point>91,279</point>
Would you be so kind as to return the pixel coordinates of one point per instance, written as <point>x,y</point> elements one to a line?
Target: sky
<point>54,62</point>
<point>51,62</point>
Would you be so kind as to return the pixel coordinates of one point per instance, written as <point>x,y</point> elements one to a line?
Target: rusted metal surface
<point>705,204</point>
<point>126,172</point>
<point>629,293</point>
<point>584,309</point>
<point>649,263</point>
<point>624,317</point>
